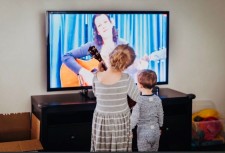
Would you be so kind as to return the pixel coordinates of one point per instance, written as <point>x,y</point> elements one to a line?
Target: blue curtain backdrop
<point>145,32</point>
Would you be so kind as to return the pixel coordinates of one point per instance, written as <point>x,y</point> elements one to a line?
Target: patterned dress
<point>111,127</point>
<point>148,116</point>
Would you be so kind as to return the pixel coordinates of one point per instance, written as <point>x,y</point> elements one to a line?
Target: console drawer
<point>69,137</point>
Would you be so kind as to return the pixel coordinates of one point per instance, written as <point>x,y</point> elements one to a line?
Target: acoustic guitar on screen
<point>95,54</point>
<point>70,79</point>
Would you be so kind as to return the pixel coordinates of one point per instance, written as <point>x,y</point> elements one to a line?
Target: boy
<point>147,114</point>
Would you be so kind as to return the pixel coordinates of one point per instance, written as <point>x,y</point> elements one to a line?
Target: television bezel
<point>101,12</point>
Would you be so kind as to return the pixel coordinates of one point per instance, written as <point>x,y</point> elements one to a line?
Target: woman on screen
<point>105,40</point>
<point>75,72</point>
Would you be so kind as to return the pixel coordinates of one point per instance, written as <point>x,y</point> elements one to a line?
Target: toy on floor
<point>207,126</point>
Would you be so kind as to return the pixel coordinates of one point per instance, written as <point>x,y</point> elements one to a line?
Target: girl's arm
<point>133,91</point>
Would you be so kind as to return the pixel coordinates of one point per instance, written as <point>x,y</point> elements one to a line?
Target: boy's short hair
<point>147,78</point>
<point>122,57</point>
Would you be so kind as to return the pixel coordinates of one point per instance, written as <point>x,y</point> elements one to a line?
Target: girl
<point>111,128</point>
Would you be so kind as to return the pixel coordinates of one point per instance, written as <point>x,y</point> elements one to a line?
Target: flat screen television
<point>70,31</point>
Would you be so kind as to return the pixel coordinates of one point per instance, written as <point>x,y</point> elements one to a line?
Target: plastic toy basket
<point>205,133</point>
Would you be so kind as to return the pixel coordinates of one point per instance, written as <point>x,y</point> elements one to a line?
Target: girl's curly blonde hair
<point>122,57</point>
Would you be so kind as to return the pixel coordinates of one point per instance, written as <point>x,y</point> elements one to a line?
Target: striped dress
<point>111,127</point>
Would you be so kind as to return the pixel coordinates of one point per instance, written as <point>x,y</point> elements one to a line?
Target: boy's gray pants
<point>148,137</point>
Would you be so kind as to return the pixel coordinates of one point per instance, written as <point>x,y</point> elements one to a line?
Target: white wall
<point>197,46</point>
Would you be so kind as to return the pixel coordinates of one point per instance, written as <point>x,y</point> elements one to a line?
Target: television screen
<point>71,33</point>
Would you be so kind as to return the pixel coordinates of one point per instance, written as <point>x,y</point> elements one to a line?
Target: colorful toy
<point>205,113</point>
<point>206,125</point>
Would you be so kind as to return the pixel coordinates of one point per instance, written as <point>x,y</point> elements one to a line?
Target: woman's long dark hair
<point>97,38</point>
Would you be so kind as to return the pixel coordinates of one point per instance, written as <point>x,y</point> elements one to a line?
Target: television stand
<point>66,121</point>
<point>87,94</point>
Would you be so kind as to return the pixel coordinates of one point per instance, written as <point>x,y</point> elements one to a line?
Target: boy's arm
<point>135,115</point>
<point>160,113</point>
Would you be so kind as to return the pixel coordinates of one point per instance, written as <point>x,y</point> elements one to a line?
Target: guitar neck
<point>103,64</point>
<point>95,54</point>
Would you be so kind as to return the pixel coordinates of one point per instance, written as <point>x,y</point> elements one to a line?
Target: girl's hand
<point>102,66</point>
